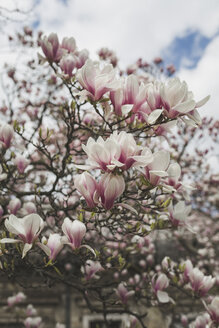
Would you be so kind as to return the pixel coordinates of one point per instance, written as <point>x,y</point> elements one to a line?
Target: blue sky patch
<point>35,24</point>
<point>187,50</point>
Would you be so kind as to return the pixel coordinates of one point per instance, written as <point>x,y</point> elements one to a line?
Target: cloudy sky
<point>185,33</point>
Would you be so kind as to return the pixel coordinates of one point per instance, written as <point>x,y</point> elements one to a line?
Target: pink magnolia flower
<point>3,176</point>
<point>188,269</point>
<point>21,162</point>
<point>157,168</point>
<point>118,151</point>
<point>1,211</point>
<point>18,298</point>
<point>177,100</point>
<point>67,64</point>
<point>193,117</point>
<point>31,311</point>
<point>91,268</point>
<point>14,205</point>
<point>52,246</point>
<point>27,229</point>
<point>29,208</point>
<point>130,93</point>
<point>179,213</point>
<point>74,232</point>
<point>151,109</point>
<point>174,173</point>
<point>110,187</point>
<point>51,47</point>
<point>87,186</point>
<point>35,322</point>
<point>201,321</point>
<point>200,283</point>
<point>165,128</point>
<point>60,325</point>
<point>158,285</point>
<point>81,57</point>
<point>96,81</point>
<point>69,44</point>
<point>123,293</point>
<point>6,135</point>
<point>184,320</point>
<point>213,309</point>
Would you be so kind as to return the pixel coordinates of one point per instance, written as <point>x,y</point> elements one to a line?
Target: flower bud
<point>6,135</point>
<point>14,205</point>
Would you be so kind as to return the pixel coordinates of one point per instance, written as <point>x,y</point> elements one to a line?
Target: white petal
<point>32,223</point>
<point>26,248</point>
<point>126,109</point>
<point>163,297</point>
<point>159,173</point>
<point>203,101</point>
<point>14,225</point>
<point>154,116</point>
<point>185,107</point>
<point>9,240</point>
<point>127,207</point>
<point>82,167</point>
<point>44,248</point>
<point>189,122</point>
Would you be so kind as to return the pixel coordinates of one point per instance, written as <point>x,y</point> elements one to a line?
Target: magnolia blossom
<point>178,213</point>
<point>177,100</point>
<point>81,57</point>
<point>60,325</point>
<point>51,47</point>
<point>172,181</point>
<point>157,168</point>
<point>6,135</point>
<point>33,322</point>
<point>213,309</point>
<point>1,211</point>
<point>96,81</point>
<point>27,229</point>
<point>67,64</point>
<point>29,208</point>
<point>69,44</point>
<point>91,268</point>
<point>163,129</point>
<point>200,283</point>
<point>118,151</point>
<point>152,103</point>
<point>201,321</point>
<point>18,298</point>
<point>52,246</point>
<point>187,270</point>
<point>158,285</point>
<point>21,162</point>
<point>87,186</point>
<point>74,232</point>
<point>110,187</point>
<point>31,311</point>
<point>130,93</point>
<point>123,293</point>
<point>3,176</point>
<point>14,205</point>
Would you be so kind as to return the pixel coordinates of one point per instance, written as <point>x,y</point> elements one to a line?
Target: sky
<point>185,33</point>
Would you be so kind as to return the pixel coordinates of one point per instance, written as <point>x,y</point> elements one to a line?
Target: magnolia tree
<point>98,178</point>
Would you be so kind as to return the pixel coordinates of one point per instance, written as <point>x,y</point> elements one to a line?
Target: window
<point>101,324</point>
<point>97,321</point>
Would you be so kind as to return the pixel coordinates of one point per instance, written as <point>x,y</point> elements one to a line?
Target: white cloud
<point>133,28</point>
<point>204,79</point>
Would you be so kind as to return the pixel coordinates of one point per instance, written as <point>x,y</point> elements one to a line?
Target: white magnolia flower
<point>26,229</point>
<point>3,176</point>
